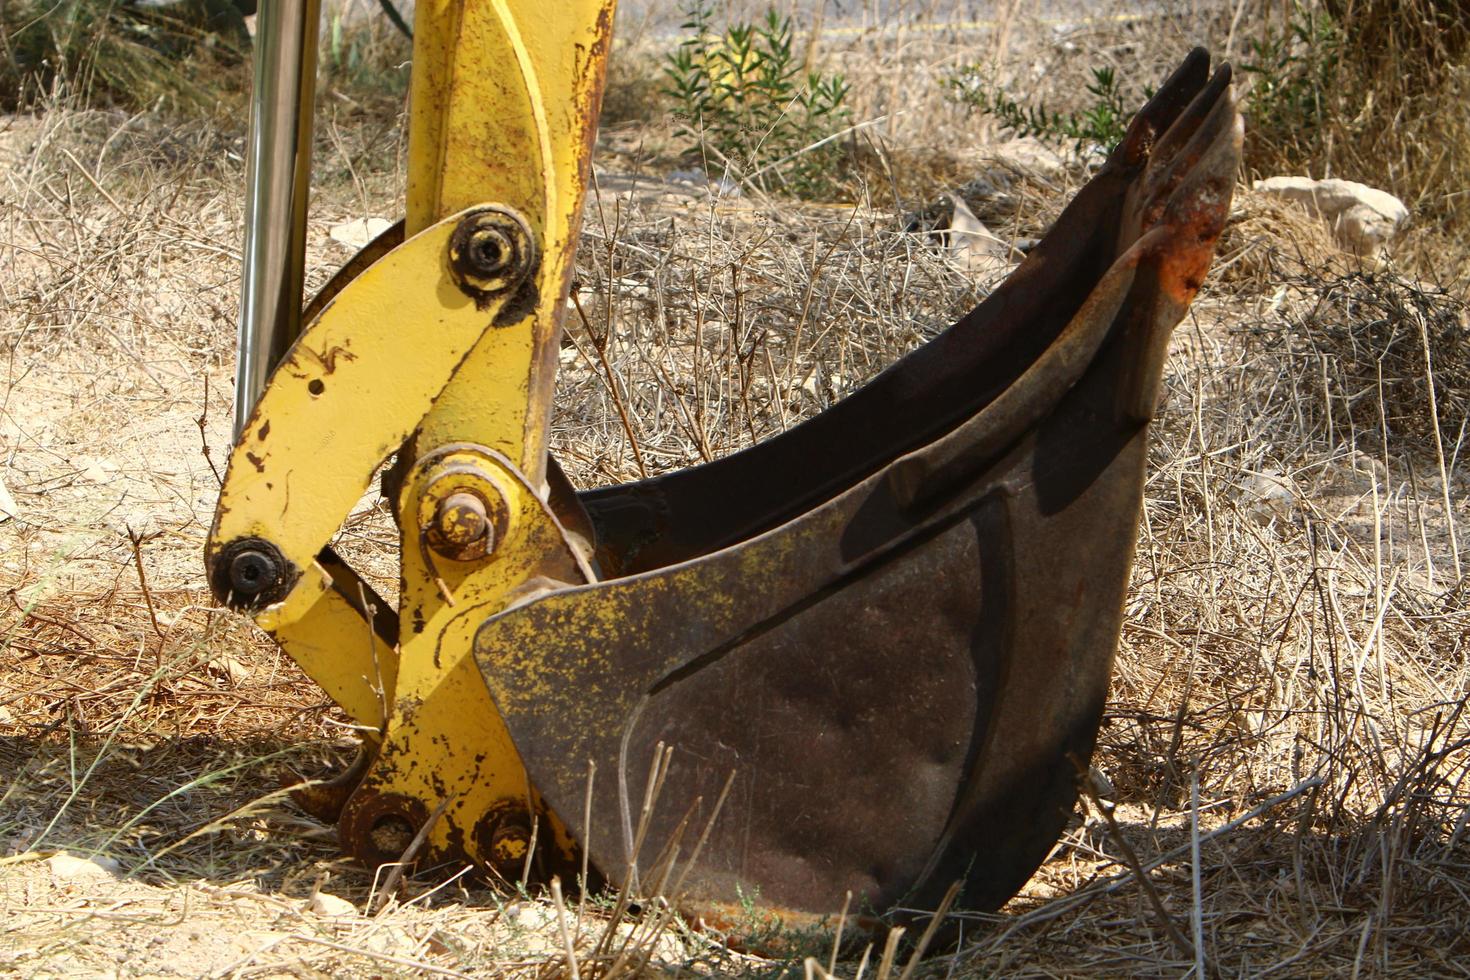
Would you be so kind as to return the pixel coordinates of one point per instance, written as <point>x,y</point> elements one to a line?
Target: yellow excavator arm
<point>865,655</point>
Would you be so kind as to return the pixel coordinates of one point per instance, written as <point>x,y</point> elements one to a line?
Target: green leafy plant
<point>744,93</point>
<point>1096,130</point>
<point>1292,70</point>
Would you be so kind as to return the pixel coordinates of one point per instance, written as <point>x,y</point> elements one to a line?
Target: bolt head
<point>488,252</point>
<point>462,529</point>
<point>252,572</point>
<point>508,847</point>
<point>249,573</point>
<point>503,837</point>
<point>491,252</point>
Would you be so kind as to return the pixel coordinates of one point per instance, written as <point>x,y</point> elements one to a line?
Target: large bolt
<point>250,573</point>
<point>504,839</point>
<point>508,846</point>
<point>488,252</point>
<point>462,529</point>
<point>491,252</point>
<point>253,572</point>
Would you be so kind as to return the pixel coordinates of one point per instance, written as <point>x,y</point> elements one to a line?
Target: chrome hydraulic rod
<point>277,174</point>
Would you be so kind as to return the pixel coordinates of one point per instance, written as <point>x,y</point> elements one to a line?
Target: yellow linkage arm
<point>443,351</point>
<point>445,745</point>
<point>347,395</point>
<point>469,136</point>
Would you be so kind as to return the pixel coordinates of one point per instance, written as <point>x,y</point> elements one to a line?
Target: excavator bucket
<point>894,623</point>
<point>869,655</point>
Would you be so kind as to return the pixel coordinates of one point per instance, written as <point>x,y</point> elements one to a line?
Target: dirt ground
<point>1281,780</point>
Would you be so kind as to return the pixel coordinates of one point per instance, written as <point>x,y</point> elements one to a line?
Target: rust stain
<point>328,359</point>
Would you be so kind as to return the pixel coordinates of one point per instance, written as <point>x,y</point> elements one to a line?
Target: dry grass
<point>1286,742</point>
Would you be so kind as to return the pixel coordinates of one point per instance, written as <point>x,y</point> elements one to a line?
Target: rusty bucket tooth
<point>895,623</point>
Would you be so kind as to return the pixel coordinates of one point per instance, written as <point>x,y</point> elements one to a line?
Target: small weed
<point>745,95</point>
<point>1291,70</point>
<point>1094,131</point>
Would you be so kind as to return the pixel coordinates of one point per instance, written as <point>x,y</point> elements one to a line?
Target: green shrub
<point>1291,72</point>
<point>744,94</point>
<point>1094,131</point>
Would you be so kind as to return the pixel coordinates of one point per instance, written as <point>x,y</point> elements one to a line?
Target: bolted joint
<point>250,573</point>
<point>462,512</point>
<point>508,847</point>
<point>491,253</point>
<point>488,252</point>
<point>503,837</point>
<point>462,529</point>
<point>379,827</point>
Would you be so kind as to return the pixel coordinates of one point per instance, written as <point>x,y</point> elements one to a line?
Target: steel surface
<point>277,185</point>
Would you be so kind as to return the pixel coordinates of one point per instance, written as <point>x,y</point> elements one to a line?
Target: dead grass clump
<point>1392,356</point>
<point>908,177</point>
<point>706,324</point>
<point>114,53</point>
<point>133,721</point>
<point>1420,38</point>
<point>1265,236</point>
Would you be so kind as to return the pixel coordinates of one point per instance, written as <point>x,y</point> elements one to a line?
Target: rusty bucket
<point>880,643</point>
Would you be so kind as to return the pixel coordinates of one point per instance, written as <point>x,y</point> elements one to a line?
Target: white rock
<point>1364,219</point>
<point>8,509</point>
<point>230,669</point>
<point>532,916</point>
<point>1267,495</point>
<point>96,469</point>
<point>70,867</point>
<point>323,903</point>
<point>533,929</point>
<point>392,940</point>
<point>973,246</point>
<point>357,233</point>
